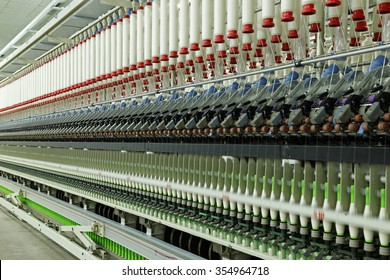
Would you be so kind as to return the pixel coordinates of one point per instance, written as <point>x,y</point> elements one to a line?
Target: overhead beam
<point>68,11</point>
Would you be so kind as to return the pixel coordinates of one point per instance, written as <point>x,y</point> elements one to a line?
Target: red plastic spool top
<point>333,3</point>
<point>334,22</point>
<point>234,50</point>
<point>222,54</point>
<point>173,54</point>
<point>247,29</point>
<point>194,47</point>
<point>156,59</point>
<point>287,16</point>
<point>285,47</point>
<point>292,34</point>
<point>261,43</point>
<point>384,8</point>
<point>358,15</point>
<point>354,42</point>
<point>268,22</point>
<point>258,53</point>
<point>315,27</point>
<point>276,39</point>
<point>377,37</point>
<point>232,34</point>
<point>246,47</point>
<point>219,39</point>
<point>361,26</point>
<point>308,10</point>
<point>164,57</point>
<point>210,57</point>
<point>180,65</point>
<point>199,59</point>
<point>290,56</point>
<point>184,51</point>
<point>206,43</point>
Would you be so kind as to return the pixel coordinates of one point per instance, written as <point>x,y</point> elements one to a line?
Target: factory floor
<point>19,241</point>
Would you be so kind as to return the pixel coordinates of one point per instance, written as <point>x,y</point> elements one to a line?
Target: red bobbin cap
<point>173,54</point>
<point>199,59</point>
<point>290,56</point>
<point>234,50</point>
<point>206,43</point>
<point>377,37</point>
<point>233,60</point>
<point>212,65</point>
<point>164,57</point>
<point>190,62</point>
<point>276,39</point>
<point>222,54</point>
<point>156,72</point>
<point>355,42</point>
<point>133,67</point>
<point>141,65</point>
<point>126,69</point>
<point>210,57</point>
<point>258,53</point>
<point>358,15</point>
<point>285,47</point>
<point>384,8</point>
<point>361,26</point>
<point>287,16</point>
<point>194,47</point>
<point>219,39</point>
<point>247,28</point>
<point>232,34</point>
<point>308,10</point>
<point>180,64</point>
<point>333,3</point>
<point>156,59</point>
<point>246,47</point>
<point>278,58</point>
<point>148,62</point>
<point>164,69</point>
<point>315,27</point>
<point>334,22</point>
<point>268,22</point>
<point>184,51</point>
<point>292,34</point>
<point>262,43</point>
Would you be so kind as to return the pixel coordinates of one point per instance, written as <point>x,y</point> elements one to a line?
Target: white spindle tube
<point>207,22</point>
<point>195,24</point>
<point>173,29</point>
<point>268,13</point>
<point>140,38</point>
<point>184,27</point>
<point>232,19</point>
<point>334,16</point>
<point>276,31</point>
<point>248,14</point>
<point>126,43</point>
<point>113,48</point>
<point>219,21</point>
<point>119,46</point>
<point>108,51</point>
<point>155,31</point>
<point>148,34</point>
<point>288,8</point>
<point>164,30</point>
<point>133,41</point>
<point>102,72</point>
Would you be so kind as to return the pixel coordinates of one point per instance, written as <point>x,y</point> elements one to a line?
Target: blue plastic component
<point>379,61</point>
<point>159,99</point>
<point>211,90</point>
<point>347,70</point>
<point>145,101</point>
<point>331,70</point>
<point>292,76</point>
<point>104,107</point>
<point>275,84</point>
<point>133,103</point>
<point>246,88</point>
<point>192,93</point>
<point>232,87</point>
<point>113,106</point>
<point>123,104</point>
<point>261,82</point>
<point>306,76</point>
<point>174,96</point>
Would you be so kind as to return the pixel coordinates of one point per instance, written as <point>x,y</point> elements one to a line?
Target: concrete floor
<point>19,241</point>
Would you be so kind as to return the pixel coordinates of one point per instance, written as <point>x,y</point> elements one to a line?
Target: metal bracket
<point>79,231</point>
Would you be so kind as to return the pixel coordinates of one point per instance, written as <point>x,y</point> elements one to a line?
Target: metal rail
<point>143,244</point>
